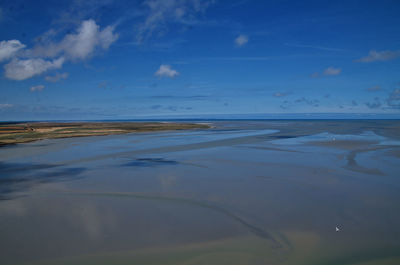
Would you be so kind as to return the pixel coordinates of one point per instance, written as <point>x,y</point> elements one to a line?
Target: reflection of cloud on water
<point>18,177</point>
<point>86,216</point>
<point>92,220</point>
<point>167,181</point>
<point>150,162</point>
<point>13,208</point>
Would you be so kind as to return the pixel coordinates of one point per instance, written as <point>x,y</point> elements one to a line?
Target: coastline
<point>34,131</point>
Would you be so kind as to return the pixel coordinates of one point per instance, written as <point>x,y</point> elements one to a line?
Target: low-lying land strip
<point>28,132</point>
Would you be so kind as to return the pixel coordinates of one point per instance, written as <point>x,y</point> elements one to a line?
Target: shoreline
<point>34,131</point>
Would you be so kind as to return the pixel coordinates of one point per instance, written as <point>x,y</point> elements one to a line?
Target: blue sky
<point>168,58</point>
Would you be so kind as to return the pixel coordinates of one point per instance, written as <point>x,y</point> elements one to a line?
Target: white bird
<point>337,229</point>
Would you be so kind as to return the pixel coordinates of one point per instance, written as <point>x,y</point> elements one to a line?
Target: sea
<point>241,192</point>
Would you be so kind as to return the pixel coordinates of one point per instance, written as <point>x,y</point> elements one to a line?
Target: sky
<point>127,59</point>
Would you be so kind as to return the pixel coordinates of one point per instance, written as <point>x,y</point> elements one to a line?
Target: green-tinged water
<point>244,192</point>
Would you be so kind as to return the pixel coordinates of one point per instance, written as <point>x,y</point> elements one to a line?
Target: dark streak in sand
<point>254,229</point>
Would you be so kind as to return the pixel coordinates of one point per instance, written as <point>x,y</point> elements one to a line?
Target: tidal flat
<point>233,192</point>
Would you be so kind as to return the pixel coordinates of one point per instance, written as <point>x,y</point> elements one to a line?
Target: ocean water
<point>242,192</point>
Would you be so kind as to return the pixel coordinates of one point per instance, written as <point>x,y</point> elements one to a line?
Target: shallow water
<point>244,192</point>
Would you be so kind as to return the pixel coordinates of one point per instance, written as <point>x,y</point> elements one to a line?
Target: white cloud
<point>19,69</point>
<point>376,104</point>
<point>328,71</point>
<point>162,12</point>
<point>5,106</point>
<point>279,94</point>
<point>241,40</point>
<point>332,71</point>
<point>79,45</point>
<point>83,43</point>
<point>166,71</point>
<point>37,88</point>
<point>374,56</point>
<point>314,47</point>
<point>75,46</point>
<point>57,77</point>
<point>107,37</point>
<point>374,88</point>
<point>394,99</point>
<point>315,75</point>
<point>8,48</point>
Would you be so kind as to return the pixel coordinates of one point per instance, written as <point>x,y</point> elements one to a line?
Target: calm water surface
<point>243,192</point>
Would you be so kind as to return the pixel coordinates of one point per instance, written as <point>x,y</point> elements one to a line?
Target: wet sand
<point>242,192</point>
